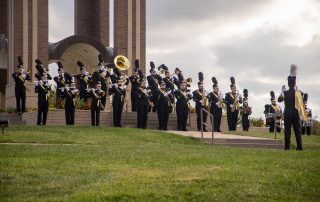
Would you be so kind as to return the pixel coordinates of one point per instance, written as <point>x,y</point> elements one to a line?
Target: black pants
<point>42,113</point>
<point>306,129</point>
<point>217,114</point>
<point>117,111</point>
<point>204,118</point>
<point>163,116</point>
<point>182,116</point>
<point>232,119</point>
<point>245,122</point>
<point>291,118</point>
<point>133,101</point>
<point>103,101</point>
<point>69,113</point>
<point>142,116</point>
<point>20,92</point>
<point>95,115</point>
<point>271,128</point>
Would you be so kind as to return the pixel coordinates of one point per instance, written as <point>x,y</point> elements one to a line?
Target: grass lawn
<point>106,164</point>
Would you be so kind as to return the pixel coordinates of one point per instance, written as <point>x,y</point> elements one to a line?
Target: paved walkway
<point>197,134</point>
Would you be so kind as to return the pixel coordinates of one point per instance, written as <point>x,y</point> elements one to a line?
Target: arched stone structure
<point>85,49</point>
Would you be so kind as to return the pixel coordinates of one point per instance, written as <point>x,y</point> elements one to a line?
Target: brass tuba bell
<point>121,62</point>
<point>189,80</point>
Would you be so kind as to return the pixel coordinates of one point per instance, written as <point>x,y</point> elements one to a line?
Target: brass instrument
<point>236,104</point>
<point>122,63</point>
<point>205,100</point>
<point>221,103</point>
<point>191,108</point>
<point>189,80</point>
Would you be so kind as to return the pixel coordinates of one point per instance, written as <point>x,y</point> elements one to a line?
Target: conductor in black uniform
<point>216,104</point>
<point>164,102</point>
<point>118,91</point>
<point>42,88</point>
<point>233,101</point>
<point>182,105</point>
<point>20,89</point>
<point>294,109</point>
<point>143,100</point>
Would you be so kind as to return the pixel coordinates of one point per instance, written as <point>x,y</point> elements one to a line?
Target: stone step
<point>246,143</point>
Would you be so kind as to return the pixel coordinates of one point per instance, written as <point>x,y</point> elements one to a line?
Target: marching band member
<point>306,126</point>
<point>233,101</point>
<point>101,75</point>
<point>143,102</point>
<point>135,83</point>
<point>70,94</point>
<point>153,82</point>
<point>216,105</point>
<point>177,76</point>
<point>96,104</point>
<point>245,111</point>
<point>61,80</point>
<point>271,111</point>
<point>164,99</point>
<point>118,90</point>
<point>201,100</point>
<point>182,105</point>
<point>42,88</point>
<point>84,78</point>
<point>294,111</point>
<point>41,70</point>
<point>170,86</point>
<point>20,89</point>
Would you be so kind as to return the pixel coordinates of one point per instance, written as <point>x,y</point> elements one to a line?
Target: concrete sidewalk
<point>197,134</point>
<point>233,140</point>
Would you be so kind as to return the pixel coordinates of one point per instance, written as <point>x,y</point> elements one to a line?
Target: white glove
<point>148,90</point>
<point>201,101</point>
<point>37,84</point>
<point>231,106</point>
<point>166,94</point>
<point>217,103</point>
<point>104,73</point>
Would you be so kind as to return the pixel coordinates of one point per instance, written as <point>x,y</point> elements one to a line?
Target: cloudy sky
<point>255,41</point>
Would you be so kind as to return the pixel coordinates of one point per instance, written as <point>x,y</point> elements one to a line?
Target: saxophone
<point>236,104</point>
<point>221,103</point>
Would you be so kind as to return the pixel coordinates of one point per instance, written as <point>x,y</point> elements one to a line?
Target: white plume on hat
<point>293,70</point>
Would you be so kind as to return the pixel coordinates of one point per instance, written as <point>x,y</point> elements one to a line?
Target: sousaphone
<point>121,62</point>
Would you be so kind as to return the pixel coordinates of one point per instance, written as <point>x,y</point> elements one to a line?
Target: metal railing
<point>276,125</point>
<point>204,123</point>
